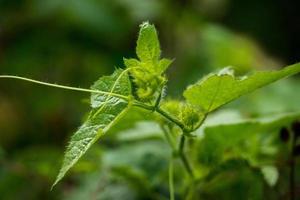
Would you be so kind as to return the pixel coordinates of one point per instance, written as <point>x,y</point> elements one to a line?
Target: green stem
<point>170,118</point>
<point>142,105</point>
<point>157,102</point>
<point>179,152</point>
<point>181,144</point>
<point>171,179</point>
<point>161,112</point>
<point>183,157</point>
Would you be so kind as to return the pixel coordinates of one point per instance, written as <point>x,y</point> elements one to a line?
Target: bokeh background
<point>74,42</point>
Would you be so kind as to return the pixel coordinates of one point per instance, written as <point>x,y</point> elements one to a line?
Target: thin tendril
<point>64,87</point>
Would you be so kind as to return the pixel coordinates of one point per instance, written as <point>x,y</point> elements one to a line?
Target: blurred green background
<point>74,42</point>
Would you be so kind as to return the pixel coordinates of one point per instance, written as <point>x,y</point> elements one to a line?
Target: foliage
<point>216,149</point>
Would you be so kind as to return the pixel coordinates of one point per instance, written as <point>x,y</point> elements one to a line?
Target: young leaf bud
<point>284,134</point>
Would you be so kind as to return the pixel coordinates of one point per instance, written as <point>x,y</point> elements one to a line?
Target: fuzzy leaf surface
<point>106,110</point>
<point>148,71</point>
<point>215,90</point>
<point>117,83</point>
<point>148,48</point>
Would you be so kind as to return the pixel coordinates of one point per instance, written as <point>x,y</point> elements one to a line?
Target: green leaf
<point>246,139</point>
<point>148,48</point>
<point>232,180</point>
<point>148,72</point>
<point>216,90</point>
<point>106,111</point>
<point>131,63</point>
<point>117,83</point>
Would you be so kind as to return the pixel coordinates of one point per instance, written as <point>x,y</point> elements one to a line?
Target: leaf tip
<point>58,178</point>
<point>54,184</point>
<point>144,24</point>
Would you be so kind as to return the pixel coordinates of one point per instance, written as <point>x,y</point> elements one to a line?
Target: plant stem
<point>179,152</point>
<point>183,157</point>
<point>181,144</point>
<point>171,179</point>
<point>161,112</point>
<point>170,118</point>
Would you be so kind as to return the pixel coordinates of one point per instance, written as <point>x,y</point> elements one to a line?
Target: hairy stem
<point>170,117</point>
<point>161,112</point>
